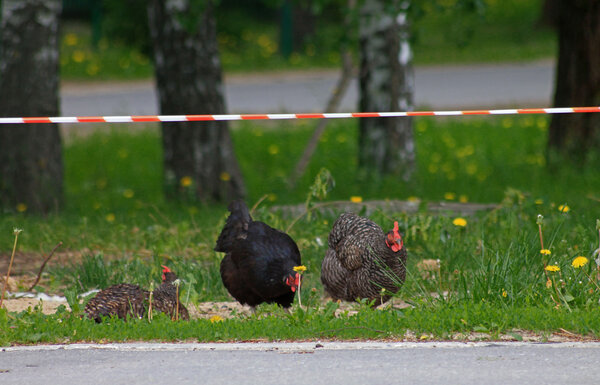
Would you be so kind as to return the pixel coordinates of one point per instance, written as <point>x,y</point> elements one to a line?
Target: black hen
<point>259,262</point>
<point>362,260</point>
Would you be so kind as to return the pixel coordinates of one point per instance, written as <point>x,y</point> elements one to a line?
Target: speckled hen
<point>165,298</point>
<point>126,299</point>
<point>362,260</point>
<point>120,300</point>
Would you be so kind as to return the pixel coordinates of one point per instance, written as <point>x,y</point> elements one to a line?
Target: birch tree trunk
<point>577,80</point>
<point>31,168</point>
<point>198,156</point>
<point>386,84</point>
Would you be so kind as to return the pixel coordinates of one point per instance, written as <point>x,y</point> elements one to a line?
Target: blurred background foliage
<point>109,38</point>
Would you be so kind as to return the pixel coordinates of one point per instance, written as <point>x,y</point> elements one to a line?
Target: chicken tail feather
<point>236,226</point>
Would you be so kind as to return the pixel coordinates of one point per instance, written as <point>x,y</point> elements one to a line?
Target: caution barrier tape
<point>339,115</point>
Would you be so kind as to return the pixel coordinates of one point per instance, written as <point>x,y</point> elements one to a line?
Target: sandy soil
<point>202,310</point>
<point>227,309</point>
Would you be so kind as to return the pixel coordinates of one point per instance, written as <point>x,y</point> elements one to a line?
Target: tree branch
<point>44,265</point>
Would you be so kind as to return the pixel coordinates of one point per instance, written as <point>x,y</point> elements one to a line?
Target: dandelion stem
<point>591,280</point>
<point>150,303</point>
<point>12,257</point>
<point>299,294</point>
<point>177,303</point>
<point>598,257</point>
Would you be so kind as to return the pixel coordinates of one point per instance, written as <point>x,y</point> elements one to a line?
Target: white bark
<point>386,84</point>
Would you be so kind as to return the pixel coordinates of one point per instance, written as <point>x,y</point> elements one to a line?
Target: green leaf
<point>516,336</point>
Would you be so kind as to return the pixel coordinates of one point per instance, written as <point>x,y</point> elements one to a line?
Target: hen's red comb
<point>166,269</point>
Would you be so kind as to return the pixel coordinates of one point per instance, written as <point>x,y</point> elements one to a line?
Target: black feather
<point>258,259</point>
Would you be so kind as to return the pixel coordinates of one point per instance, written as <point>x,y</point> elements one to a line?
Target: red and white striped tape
<point>340,115</point>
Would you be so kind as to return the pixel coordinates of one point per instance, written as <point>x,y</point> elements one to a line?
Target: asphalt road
<point>447,87</point>
<point>303,363</point>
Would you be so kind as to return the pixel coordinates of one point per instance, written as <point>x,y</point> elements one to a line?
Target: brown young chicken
<point>165,298</point>
<point>259,260</point>
<point>362,260</point>
<point>120,300</point>
<point>125,299</point>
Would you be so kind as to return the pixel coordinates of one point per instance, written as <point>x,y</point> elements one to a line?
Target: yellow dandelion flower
<point>92,69</point>
<point>355,199</point>
<point>216,318</point>
<point>504,293</point>
<point>273,149</point>
<point>449,196</point>
<point>545,252</point>
<point>78,56</point>
<point>225,177</point>
<point>539,202</point>
<point>21,207</point>
<point>413,199</point>
<point>563,208</point>
<point>300,269</point>
<point>128,193</point>
<point>463,199</point>
<point>579,261</point>
<point>71,39</point>
<point>471,169</point>
<point>541,124</point>
<point>186,181</point>
<point>552,268</point>
<point>423,337</point>
<point>460,222</point>
<point>110,217</point>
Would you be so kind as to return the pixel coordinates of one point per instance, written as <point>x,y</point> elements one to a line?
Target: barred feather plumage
<point>119,300</point>
<point>165,299</point>
<point>359,263</point>
<point>126,299</point>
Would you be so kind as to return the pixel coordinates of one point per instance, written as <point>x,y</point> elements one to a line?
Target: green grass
<point>118,223</point>
<point>443,322</point>
<point>507,31</point>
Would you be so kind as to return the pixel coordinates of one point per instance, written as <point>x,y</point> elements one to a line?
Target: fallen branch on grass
<point>44,265</point>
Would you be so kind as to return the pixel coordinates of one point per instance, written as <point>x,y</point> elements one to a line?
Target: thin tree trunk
<point>332,105</point>
<point>31,168</point>
<point>189,81</point>
<point>386,145</point>
<point>577,80</point>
